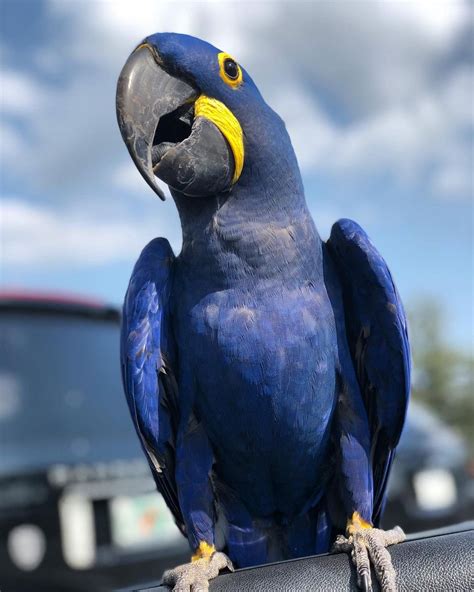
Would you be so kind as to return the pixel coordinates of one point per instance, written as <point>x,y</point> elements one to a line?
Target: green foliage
<point>443,377</point>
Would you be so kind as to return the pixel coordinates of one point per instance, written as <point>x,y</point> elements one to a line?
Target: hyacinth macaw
<point>267,372</point>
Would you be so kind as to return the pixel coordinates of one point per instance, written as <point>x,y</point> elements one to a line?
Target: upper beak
<point>145,93</point>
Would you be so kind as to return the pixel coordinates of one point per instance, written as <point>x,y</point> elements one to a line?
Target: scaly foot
<point>367,544</point>
<point>194,577</point>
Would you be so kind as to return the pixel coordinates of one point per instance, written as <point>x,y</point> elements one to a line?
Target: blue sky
<point>376,96</point>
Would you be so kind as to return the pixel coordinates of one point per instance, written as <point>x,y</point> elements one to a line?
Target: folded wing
<point>377,334</point>
<point>147,365</point>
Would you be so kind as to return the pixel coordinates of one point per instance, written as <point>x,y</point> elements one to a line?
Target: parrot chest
<point>264,367</point>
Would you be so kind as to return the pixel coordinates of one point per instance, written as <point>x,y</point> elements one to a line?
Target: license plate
<point>142,521</point>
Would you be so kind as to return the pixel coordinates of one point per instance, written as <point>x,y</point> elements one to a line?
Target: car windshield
<point>61,398</point>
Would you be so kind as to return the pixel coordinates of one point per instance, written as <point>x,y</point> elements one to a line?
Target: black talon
<point>366,585</point>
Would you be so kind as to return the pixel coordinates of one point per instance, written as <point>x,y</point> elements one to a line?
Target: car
<point>78,506</point>
<point>430,482</point>
<point>439,560</point>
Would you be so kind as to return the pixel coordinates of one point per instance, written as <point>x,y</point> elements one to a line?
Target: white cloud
<point>19,94</point>
<point>428,136</point>
<point>37,235</point>
<point>313,135</point>
<point>362,55</point>
<point>439,19</point>
<point>127,178</point>
<point>11,145</point>
<point>363,86</point>
<point>453,181</point>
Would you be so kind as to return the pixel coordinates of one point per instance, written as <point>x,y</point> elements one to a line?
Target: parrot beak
<point>146,93</point>
<point>156,117</point>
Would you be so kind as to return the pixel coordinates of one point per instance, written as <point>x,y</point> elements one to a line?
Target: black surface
<point>49,306</point>
<point>438,561</point>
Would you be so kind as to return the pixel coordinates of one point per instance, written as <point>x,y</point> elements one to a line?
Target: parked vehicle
<point>430,483</point>
<point>78,505</point>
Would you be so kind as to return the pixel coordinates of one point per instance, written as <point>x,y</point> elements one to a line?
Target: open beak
<point>145,94</point>
<point>164,133</point>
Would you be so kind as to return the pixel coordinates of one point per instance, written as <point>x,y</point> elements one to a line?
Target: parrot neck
<point>260,230</point>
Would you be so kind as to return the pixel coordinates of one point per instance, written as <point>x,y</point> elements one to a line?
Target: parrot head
<point>190,115</point>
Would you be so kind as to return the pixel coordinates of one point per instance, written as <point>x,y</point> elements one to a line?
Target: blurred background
<point>378,99</point>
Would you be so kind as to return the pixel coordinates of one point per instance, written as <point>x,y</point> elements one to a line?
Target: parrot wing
<point>376,329</point>
<point>147,369</point>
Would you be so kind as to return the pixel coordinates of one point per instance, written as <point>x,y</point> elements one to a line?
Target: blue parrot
<point>267,372</point>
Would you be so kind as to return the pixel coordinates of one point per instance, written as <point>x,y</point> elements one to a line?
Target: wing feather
<point>376,328</point>
<point>147,366</point>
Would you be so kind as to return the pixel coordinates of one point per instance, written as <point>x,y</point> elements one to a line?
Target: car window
<point>61,394</point>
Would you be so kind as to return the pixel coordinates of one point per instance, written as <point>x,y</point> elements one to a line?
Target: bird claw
<point>366,584</point>
<point>195,576</point>
<point>368,546</point>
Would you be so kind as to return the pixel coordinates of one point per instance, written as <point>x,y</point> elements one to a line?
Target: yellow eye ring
<point>229,70</point>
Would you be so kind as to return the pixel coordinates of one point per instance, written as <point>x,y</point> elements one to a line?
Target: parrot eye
<point>231,69</point>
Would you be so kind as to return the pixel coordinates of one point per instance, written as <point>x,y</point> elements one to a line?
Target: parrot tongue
<point>172,130</point>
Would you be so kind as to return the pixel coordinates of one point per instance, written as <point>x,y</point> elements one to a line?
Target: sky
<point>377,97</point>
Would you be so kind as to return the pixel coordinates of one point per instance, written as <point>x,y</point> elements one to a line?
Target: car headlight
<point>435,489</point>
<point>26,546</point>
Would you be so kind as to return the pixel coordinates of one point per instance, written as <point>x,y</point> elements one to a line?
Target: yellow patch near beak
<point>229,126</point>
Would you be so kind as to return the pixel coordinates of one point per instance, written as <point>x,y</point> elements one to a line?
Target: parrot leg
<point>368,545</point>
<point>194,576</point>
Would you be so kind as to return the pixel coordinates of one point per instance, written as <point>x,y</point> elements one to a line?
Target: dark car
<point>78,507</point>
<point>430,482</point>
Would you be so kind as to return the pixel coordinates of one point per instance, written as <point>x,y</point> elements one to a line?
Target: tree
<point>443,376</point>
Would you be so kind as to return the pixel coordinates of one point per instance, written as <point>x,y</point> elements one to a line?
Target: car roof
<point>56,302</point>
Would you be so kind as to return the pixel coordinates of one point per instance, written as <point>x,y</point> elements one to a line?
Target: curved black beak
<point>146,93</point>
